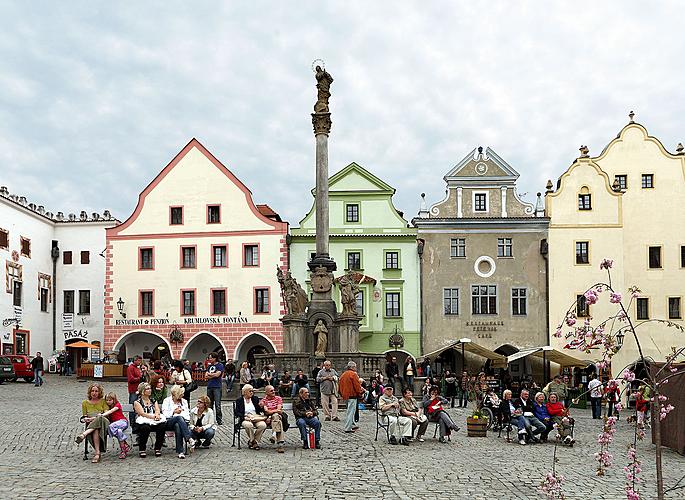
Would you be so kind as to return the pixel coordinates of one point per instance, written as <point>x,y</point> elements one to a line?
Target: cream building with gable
<point>625,204</point>
<point>198,257</point>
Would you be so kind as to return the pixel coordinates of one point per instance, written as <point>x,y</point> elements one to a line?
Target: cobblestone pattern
<point>39,459</point>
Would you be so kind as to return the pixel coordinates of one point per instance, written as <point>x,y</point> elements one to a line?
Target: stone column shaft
<point>322,195</point>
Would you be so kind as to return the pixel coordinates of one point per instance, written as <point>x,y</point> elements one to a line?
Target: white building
<point>54,276</point>
<point>193,269</point>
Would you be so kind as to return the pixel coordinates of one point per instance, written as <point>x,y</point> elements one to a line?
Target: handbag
<point>192,385</point>
<point>140,420</point>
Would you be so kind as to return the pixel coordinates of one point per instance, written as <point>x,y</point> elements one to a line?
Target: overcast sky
<point>97,97</point>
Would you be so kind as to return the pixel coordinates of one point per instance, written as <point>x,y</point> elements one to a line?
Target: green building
<point>371,238</point>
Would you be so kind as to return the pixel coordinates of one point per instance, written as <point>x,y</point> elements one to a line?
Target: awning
<point>465,344</point>
<point>81,344</point>
<point>523,353</point>
<point>550,354</point>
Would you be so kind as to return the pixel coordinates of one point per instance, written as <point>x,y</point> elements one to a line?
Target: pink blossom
<point>557,333</point>
<point>606,264</point>
<point>618,406</point>
<point>628,375</point>
<point>591,297</point>
<point>570,321</point>
<point>615,298</point>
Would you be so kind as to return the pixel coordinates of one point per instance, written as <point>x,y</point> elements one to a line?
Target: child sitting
<point>118,423</point>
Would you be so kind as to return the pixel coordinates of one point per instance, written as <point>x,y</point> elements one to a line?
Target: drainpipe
<point>55,255</point>
<point>544,251</point>
<point>419,248</point>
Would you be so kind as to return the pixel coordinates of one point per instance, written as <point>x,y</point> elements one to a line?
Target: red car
<point>22,366</point>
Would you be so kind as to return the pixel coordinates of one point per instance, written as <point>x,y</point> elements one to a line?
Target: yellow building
<point>627,204</point>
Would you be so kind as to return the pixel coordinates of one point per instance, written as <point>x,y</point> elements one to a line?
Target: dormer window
<point>480,202</point>
<point>584,199</point>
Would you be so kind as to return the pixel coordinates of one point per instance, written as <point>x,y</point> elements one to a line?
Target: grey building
<point>483,267</point>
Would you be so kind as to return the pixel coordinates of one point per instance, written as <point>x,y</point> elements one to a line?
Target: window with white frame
<point>392,304</point>
<point>480,202</point>
<point>457,248</point>
<point>484,299</point>
<point>450,298</point>
<point>504,248</point>
<point>519,301</point>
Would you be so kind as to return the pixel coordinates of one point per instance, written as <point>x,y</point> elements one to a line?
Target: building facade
<point>193,269</point>
<point>371,238</point>
<point>483,266</point>
<point>626,204</point>
<point>54,276</point>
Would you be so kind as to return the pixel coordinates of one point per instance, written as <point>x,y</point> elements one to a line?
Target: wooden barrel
<point>476,427</point>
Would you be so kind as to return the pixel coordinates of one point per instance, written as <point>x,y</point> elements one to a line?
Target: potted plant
<point>477,424</point>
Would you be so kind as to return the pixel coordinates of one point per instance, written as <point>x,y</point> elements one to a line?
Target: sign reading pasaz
<point>186,321</point>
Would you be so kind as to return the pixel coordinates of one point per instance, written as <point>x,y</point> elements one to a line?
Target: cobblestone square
<point>39,459</point>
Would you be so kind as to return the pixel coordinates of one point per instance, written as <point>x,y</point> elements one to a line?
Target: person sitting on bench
<point>306,415</point>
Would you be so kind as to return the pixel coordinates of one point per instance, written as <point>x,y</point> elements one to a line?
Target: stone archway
<point>200,345</point>
<point>252,344</point>
<point>139,342</point>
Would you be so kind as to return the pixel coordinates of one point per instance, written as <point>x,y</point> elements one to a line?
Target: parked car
<point>6,369</point>
<point>22,366</point>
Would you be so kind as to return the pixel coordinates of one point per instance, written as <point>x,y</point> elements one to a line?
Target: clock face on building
<point>481,168</point>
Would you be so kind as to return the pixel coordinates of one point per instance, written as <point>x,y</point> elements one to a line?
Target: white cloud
<point>95,98</point>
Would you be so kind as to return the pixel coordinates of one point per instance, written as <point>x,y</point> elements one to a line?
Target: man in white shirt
<point>595,387</point>
<point>399,426</point>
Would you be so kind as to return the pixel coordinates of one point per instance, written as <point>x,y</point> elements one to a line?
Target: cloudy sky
<point>97,97</point>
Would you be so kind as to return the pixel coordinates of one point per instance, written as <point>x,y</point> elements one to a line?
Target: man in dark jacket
<point>527,422</point>
<point>38,366</point>
<point>392,371</point>
<point>250,416</point>
<point>307,416</point>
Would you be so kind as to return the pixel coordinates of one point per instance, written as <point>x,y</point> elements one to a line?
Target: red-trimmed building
<point>196,256</point>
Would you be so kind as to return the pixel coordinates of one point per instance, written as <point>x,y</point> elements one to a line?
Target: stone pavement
<point>39,459</point>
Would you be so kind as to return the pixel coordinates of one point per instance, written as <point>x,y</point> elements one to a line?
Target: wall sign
<point>67,321</point>
<point>484,326</point>
<point>186,321</point>
<point>76,334</point>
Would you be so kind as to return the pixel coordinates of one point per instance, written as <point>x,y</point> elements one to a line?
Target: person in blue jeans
<point>299,382</point>
<point>215,372</point>
<point>37,365</point>
<point>306,416</point>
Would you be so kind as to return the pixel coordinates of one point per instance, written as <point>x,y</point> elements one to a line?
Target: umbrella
<point>81,343</point>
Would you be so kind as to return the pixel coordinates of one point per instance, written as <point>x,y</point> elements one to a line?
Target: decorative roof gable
<point>478,167</point>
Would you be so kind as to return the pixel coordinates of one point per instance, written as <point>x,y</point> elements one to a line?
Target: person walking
<point>327,378</point>
<point>37,365</point>
<point>215,372</point>
<point>595,387</point>
<point>350,390</point>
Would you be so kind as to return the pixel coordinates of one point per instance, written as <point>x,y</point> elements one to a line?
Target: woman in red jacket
<point>436,413</point>
<point>561,418</point>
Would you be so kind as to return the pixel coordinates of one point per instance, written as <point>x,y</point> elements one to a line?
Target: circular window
<point>484,266</point>
<point>481,168</point>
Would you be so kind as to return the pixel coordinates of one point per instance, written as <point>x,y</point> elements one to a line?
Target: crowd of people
<point>160,398</point>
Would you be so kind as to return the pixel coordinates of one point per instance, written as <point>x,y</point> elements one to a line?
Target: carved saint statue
<point>321,333</point>
<point>294,296</point>
<point>323,85</point>
<point>348,294</point>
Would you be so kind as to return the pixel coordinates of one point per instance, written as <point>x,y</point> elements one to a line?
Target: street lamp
<point>619,339</point>
<point>120,306</point>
